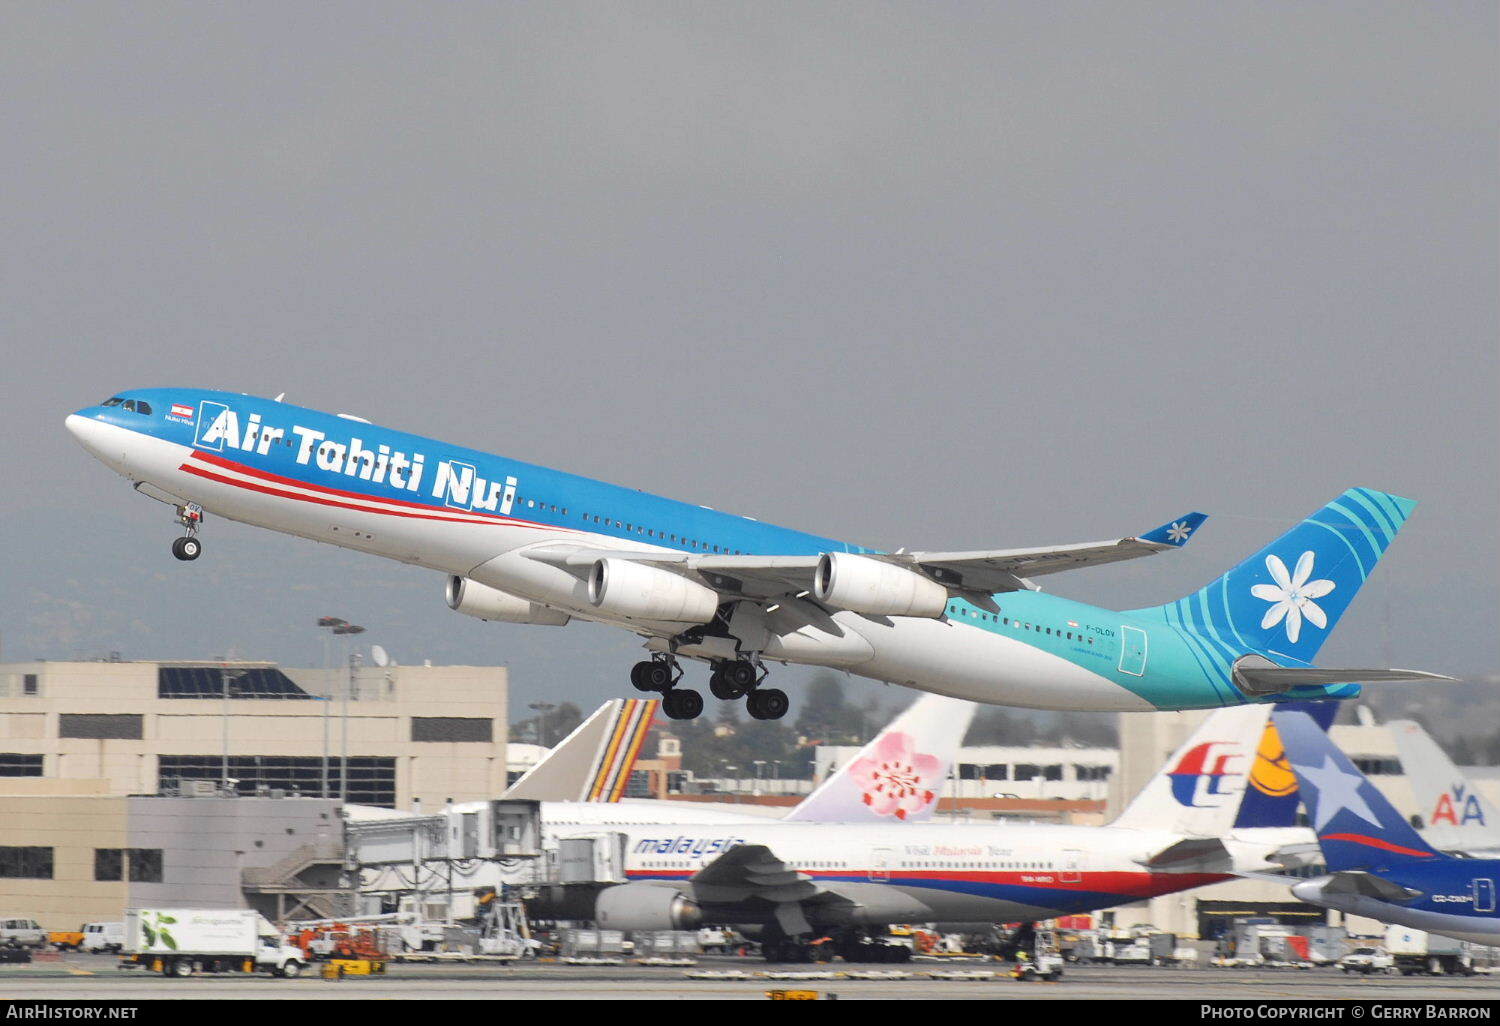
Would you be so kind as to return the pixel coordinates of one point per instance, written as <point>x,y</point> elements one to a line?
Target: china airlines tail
<point>899,775</point>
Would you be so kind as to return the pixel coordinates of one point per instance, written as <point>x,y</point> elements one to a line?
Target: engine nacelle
<point>638,906</point>
<point>480,600</point>
<point>620,587</point>
<point>865,585</point>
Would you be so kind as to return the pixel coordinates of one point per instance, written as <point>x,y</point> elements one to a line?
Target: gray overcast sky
<point>938,275</point>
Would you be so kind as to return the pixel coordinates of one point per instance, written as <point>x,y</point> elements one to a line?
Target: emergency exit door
<point>1484,895</point>
<point>1132,651</point>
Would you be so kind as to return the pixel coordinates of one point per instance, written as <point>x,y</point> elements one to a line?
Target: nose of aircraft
<point>93,435</point>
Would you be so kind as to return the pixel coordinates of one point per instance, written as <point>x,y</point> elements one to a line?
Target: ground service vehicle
<point>65,940</point>
<point>1367,961</point>
<point>21,932</point>
<point>108,936</point>
<point>183,941</point>
<point>1416,952</point>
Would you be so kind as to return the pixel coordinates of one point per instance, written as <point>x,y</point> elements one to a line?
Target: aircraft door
<point>1484,894</point>
<point>1132,651</point>
<point>880,865</point>
<point>1072,863</point>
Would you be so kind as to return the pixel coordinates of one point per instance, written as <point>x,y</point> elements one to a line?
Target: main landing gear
<point>730,679</point>
<point>188,547</point>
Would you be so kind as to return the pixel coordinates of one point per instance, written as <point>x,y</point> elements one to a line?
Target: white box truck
<point>183,941</point>
<point>1416,952</point>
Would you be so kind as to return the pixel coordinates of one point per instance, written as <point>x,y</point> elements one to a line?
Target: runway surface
<point>82,977</point>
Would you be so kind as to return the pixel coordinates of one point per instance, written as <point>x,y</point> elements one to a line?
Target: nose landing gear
<point>188,547</point>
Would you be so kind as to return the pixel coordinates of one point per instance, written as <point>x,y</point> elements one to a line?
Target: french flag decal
<point>179,410</point>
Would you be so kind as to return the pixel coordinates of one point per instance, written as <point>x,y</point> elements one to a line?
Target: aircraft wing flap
<point>754,871</point>
<point>1191,854</point>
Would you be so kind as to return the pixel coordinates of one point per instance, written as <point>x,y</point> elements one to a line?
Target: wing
<point>982,572</point>
<point>1257,675</point>
<point>752,872</point>
<point>1190,855</point>
<point>1369,885</point>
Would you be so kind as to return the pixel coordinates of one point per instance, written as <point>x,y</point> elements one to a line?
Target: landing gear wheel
<point>187,549</point>
<point>651,676</point>
<point>739,675</point>
<point>767,704</point>
<point>721,687</point>
<point>682,704</point>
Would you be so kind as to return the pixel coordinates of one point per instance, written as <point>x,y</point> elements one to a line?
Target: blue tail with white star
<point>1284,600</point>
<point>1356,827</point>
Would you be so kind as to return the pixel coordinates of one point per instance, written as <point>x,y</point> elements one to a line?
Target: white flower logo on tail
<point>1292,595</point>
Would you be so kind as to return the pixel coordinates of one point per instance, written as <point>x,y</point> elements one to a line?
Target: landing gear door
<point>880,865</point>
<point>1133,651</point>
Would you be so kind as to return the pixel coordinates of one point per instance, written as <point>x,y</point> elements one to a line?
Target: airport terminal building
<point>220,784</point>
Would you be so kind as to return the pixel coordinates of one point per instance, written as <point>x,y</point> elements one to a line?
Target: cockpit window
<point>130,405</point>
<point>112,401</point>
<point>142,406</point>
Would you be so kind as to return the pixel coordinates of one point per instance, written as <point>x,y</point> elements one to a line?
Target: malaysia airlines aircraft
<point>528,544</point>
<point>1379,866</point>
<point>1193,824</point>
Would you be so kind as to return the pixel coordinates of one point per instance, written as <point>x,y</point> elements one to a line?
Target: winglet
<point>1176,533</point>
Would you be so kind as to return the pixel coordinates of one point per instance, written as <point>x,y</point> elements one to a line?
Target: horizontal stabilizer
<point>1368,885</point>
<point>1190,854</point>
<point>1257,676</point>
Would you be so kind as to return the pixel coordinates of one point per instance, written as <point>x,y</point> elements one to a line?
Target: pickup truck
<point>21,932</point>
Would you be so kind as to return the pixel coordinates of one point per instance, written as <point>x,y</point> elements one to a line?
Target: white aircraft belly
<point>965,662</point>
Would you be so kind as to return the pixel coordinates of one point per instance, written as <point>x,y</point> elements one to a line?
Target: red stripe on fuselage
<point>428,512</point>
<point>1375,842</point>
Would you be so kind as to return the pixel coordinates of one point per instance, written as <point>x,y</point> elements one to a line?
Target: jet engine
<point>634,591</point>
<point>640,906</point>
<point>865,585</point>
<point>479,600</point>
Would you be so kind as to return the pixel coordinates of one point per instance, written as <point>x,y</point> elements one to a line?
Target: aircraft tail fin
<point>1271,798</point>
<point>1357,827</point>
<point>1456,816</point>
<point>1285,599</point>
<point>593,763</point>
<point>899,775</point>
<point>1199,791</point>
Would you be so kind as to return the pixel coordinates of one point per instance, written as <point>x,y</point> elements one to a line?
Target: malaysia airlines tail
<point>899,775</point>
<point>1198,792</point>
<point>593,763</point>
<point>1455,815</point>
<point>1285,600</point>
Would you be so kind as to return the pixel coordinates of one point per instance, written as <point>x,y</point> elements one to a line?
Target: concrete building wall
<point>72,826</point>
<point>39,702</point>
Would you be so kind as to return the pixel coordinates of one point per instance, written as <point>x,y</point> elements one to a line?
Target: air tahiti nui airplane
<point>528,544</point>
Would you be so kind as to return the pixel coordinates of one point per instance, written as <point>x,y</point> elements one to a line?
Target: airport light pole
<point>541,709</point>
<point>351,660</point>
<point>336,625</point>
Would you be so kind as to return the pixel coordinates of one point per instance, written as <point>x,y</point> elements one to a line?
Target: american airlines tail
<point>593,763</point>
<point>1455,816</point>
<point>899,775</point>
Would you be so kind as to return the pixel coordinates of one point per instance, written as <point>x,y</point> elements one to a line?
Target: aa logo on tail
<point>1203,777</point>
<point>1457,807</point>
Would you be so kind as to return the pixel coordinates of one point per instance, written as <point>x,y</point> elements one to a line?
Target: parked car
<point>1368,960</point>
<point>104,936</point>
<point>66,940</point>
<point>21,932</point>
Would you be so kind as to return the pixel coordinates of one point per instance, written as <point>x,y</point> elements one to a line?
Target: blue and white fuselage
<point>534,545</point>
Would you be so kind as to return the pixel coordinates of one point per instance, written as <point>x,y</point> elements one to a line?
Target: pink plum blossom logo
<point>1292,595</point>
<point>896,779</point>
